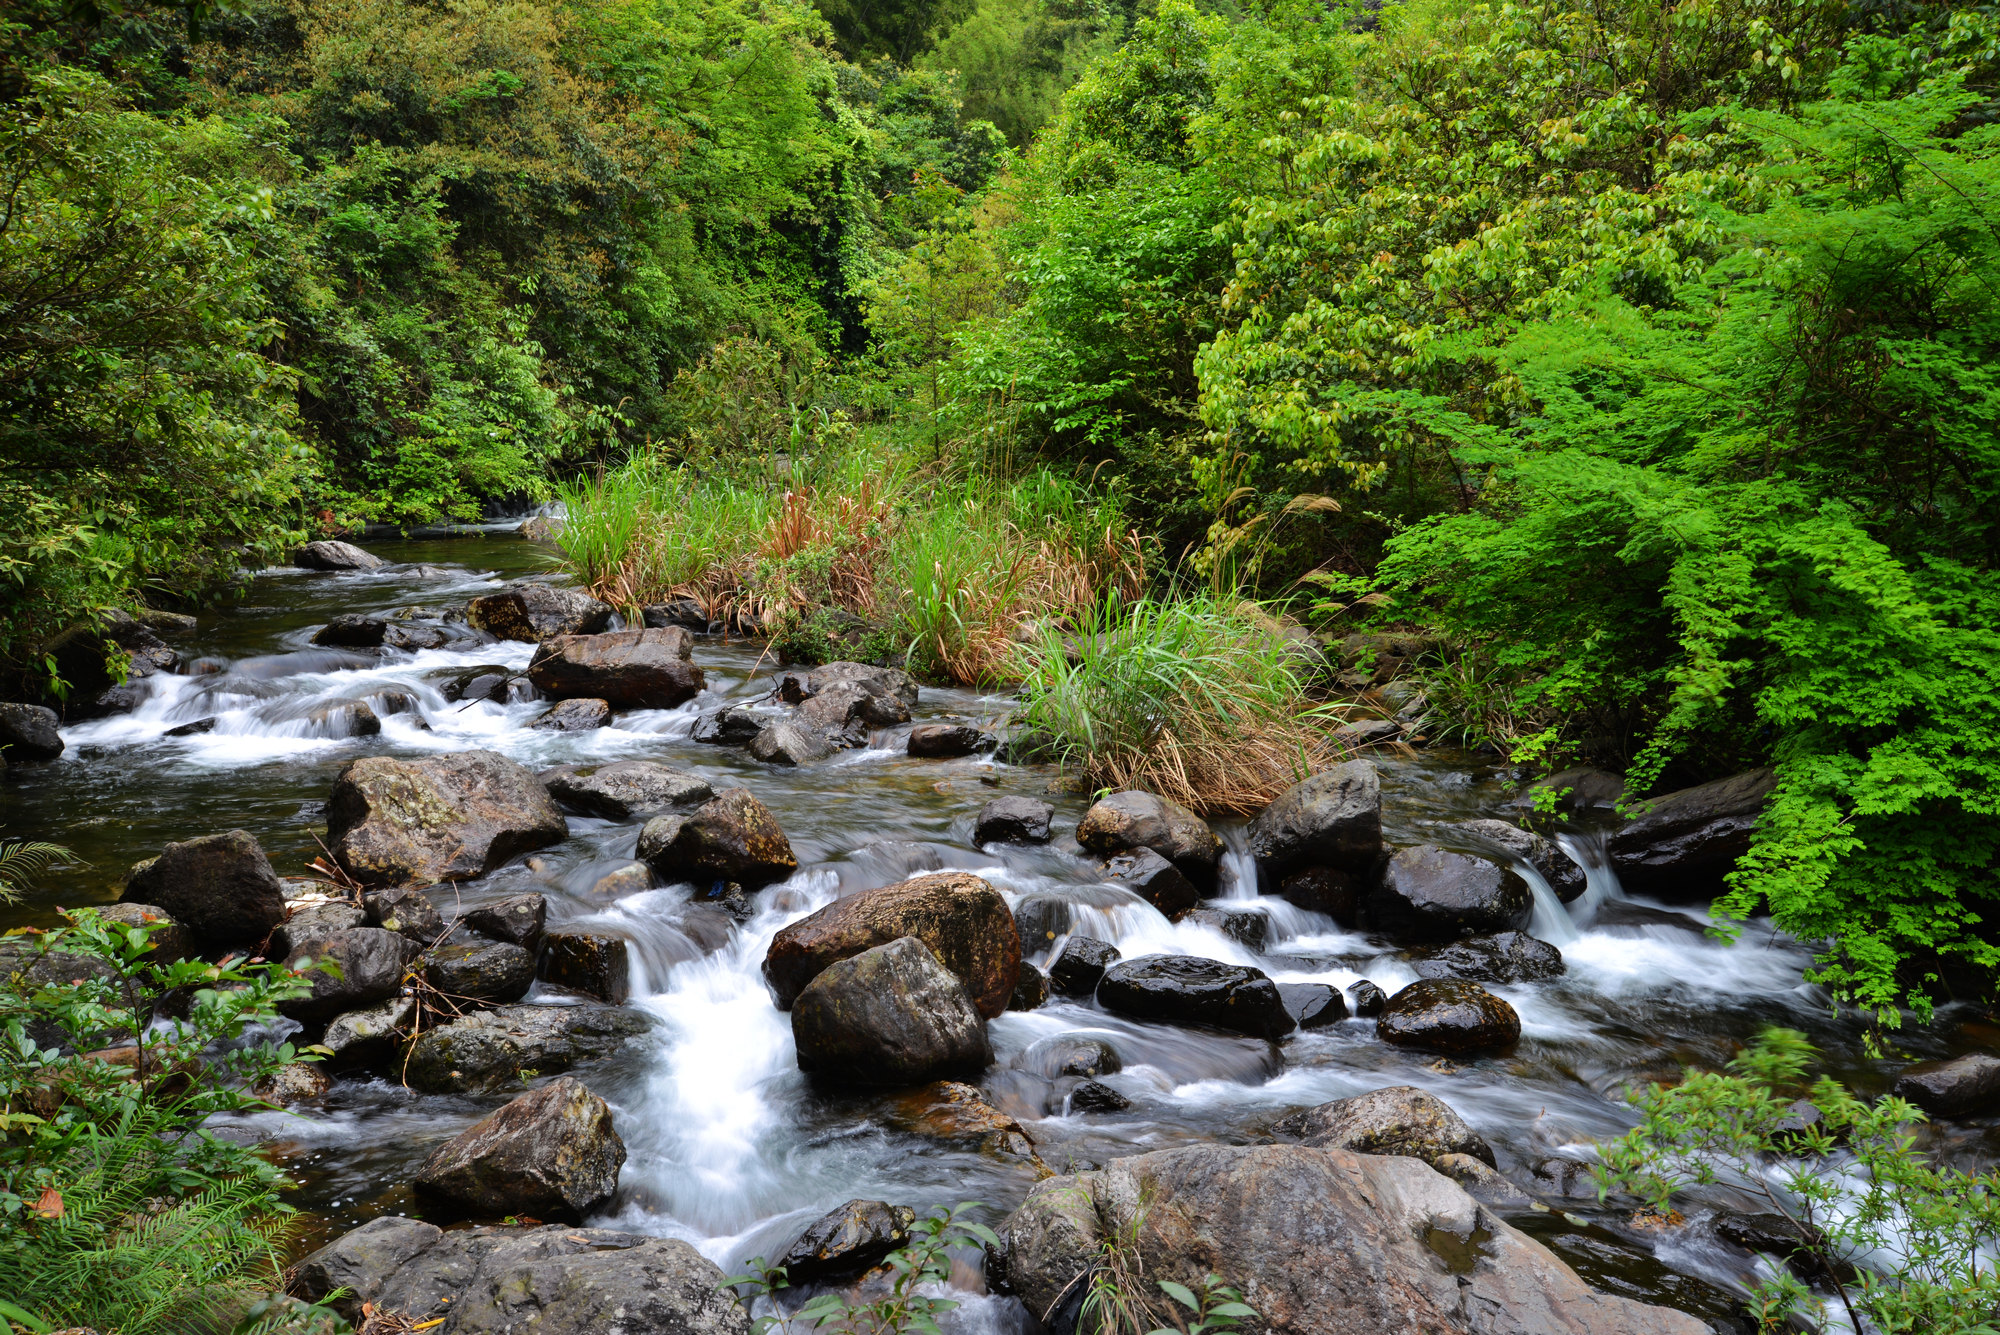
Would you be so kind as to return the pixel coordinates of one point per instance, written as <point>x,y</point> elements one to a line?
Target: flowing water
<point>728,1145</point>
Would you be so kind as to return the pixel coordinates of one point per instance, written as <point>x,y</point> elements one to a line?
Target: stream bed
<point>729,1147</point>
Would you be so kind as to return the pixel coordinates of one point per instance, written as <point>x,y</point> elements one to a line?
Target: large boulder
<point>1313,1005</point>
<point>327,554</point>
<point>963,919</point>
<point>846,1241</point>
<point>443,818</point>
<point>549,1154</point>
<point>630,669</point>
<point>371,963</point>
<point>1129,821</point>
<point>1967,1086</point>
<point>558,1280</point>
<point>1333,820</point>
<point>1184,989</point>
<point>1681,845</point>
<point>1510,957</point>
<point>796,685</point>
<point>1013,820</point>
<point>1449,1016</point>
<point>481,971</point>
<point>488,1050</point>
<point>887,1017</point>
<point>844,712</point>
<point>625,789</point>
<point>1556,867</point>
<point>1429,894</point>
<point>28,734</point>
<point>220,886</point>
<point>731,837</point>
<point>532,613</point>
<point>1320,1241</point>
<point>1399,1120</point>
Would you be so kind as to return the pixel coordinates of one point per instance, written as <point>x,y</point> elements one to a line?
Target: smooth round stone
<point>1450,1016</point>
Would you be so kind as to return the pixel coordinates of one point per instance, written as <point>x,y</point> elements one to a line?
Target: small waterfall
<point>1586,849</point>
<point>1551,921</point>
<point>1237,873</point>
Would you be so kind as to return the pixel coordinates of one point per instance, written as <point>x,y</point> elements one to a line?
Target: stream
<point>729,1147</point>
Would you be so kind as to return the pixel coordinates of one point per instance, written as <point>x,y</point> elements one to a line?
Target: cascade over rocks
<point>442,818</point>
<point>1183,989</point>
<point>1333,819</point>
<point>1155,880</point>
<point>1400,1120</point>
<point>731,837</point>
<point>1013,820</point>
<point>534,612</point>
<point>962,919</point>
<point>28,734</point>
<point>1682,844</point>
<point>371,970</point>
<point>1428,894</point>
<point>1560,870</point>
<point>487,1050</point>
<point>221,887</point>
<point>1320,1241</point>
<point>1071,1054</point>
<point>1313,1005</point>
<point>482,971</point>
<point>628,669</point>
<point>889,1016</point>
<point>1129,821</point>
<point>549,1154</point>
<point>625,788</point>
<point>1246,927</point>
<point>1967,1086</point>
<point>1510,957</point>
<point>1449,1016</point>
<point>847,1240</point>
<point>327,554</point>
<point>484,1281</point>
<point>1079,966</point>
<point>1041,919</point>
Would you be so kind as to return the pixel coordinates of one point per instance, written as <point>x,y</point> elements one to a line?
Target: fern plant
<point>22,860</point>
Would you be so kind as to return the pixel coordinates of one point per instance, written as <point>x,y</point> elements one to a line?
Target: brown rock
<point>731,837</point>
<point>533,612</point>
<point>443,818</point>
<point>550,1154</point>
<point>888,1016</point>
<point>629,669</point>
<point>1448,1016</point>
<point>1129,821</point>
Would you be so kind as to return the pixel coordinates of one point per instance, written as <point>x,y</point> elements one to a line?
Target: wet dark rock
<point>574,715</point>
<point>1031,990</point>
<point>1079,967</point>
<point>327,554</point>
<point>1569,1179</point>
<point>442,818</point>
<point>575,1281</point>
<point>1400,1120</point>
<point>1510,957</point>
<point>549,1154</point>
<point>1622,917</point>
<point>371,963</point>
<point>488,1050</point>
<point>1094,1096</point>
<point>625,789</point>
<point>314,918</point>
<point>532,613</point>
<point>407,911</point>
<point>389,703</point>
<point>957,1113</point>
<point>170,940</point>
<point>961,918</point>
<point>371,1036</point>
<point>353,630</point>
<point>596,964</point>
<point>845,711</point>
<point>1129,821</point>
<point>492,683</point>
<point>1155,880</point>
<point>731,725</point>
<point>1448,1016</point>
<point>1183,989</point>
<point>220,886</point>
<point>28,734</point>
<point>1967,1086</point>
<point>412,636</point>
<point>942,741</point>
<point>1803,1246</point>
<point>1338,894</point>
<point>1682,844</point>
<point>798,685</point>
<point>481,971</point>
<point>1013,820</point>
<point>891,1015</point>
<point>518,919</point>
<point>629,669</point>
<point>1246,927</point>
<point>731,837</point>
<point>1366,999</point>
<point>294,1082</point>
<point>789,743</point>
<point>1578,790</point>
<point>1319,1241</point>
<point>1331,820</point>
<point>343,718</point>
<point>684,612</point>
<point>1428,894</point>
<point>847,1240</point>
<point>1512,842</point>
<point>1313,1005</point>
<point>196,728</point>
<point>1040,920</point>
<point>1071,1054</point>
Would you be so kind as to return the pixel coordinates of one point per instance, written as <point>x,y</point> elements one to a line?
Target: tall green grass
<point>646,530</point>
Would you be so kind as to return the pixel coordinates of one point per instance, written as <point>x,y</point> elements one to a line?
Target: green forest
<point>1641,356</point>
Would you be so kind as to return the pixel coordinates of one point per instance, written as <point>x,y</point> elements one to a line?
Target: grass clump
<point>1199,700</point>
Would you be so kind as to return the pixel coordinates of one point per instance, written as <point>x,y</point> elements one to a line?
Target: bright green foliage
<point>1016,58</point>
<point>1917,1231</point>
<point>117,1209</point>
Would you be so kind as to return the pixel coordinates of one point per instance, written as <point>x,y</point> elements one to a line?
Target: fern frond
<point>22,860</point>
